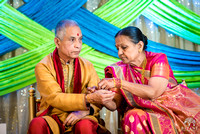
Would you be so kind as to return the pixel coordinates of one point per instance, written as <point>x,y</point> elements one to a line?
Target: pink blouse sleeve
<point>160,67</point>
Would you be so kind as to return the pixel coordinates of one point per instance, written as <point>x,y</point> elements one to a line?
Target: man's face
<point>70,46</point>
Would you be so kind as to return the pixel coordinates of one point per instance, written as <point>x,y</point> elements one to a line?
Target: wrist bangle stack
<point>121,84</point>
<point>114,82</point>
<point>117,83</point>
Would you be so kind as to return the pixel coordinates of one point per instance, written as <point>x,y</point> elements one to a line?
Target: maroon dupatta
<point>60,80</point>
<point>59,73</point>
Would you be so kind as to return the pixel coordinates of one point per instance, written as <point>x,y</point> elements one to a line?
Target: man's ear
<point>57,42</point>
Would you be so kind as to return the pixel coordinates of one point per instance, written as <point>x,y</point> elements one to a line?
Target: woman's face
<point>128,52</point>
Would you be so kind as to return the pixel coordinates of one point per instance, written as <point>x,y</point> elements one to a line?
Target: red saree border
<point>153,120</point>
<point>124,93</point>
<point>134,101</point>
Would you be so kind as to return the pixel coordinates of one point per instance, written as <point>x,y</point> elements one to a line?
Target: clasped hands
<point>96,95</point>
<point>103,94</point>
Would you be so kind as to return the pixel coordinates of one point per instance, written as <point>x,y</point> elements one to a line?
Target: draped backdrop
<point>31,27</point>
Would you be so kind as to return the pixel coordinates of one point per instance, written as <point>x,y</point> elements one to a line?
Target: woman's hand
<point>106,83</point>
<point>75,116</point>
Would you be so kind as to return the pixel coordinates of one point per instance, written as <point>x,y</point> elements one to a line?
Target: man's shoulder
<point>46,60</point>
<point>84,61</point>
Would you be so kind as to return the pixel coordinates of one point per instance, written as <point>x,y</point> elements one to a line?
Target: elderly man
<point>62,80</point>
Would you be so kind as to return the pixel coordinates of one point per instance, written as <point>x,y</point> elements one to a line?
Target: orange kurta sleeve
<point>89,80</point>
<point>50,91</point>
<point>63,103</point>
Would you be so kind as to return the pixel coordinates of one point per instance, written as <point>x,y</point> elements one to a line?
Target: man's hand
<point>100,97</point>
<point>73,117</point>
<point>91,89</point>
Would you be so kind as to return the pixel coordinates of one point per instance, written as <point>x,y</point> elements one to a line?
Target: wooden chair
<point>33,103</point>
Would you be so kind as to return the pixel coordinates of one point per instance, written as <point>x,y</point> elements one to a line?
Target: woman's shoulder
<point>154,54</point>
<point>117,64</point>
<point>111,70</point>
<point>155,58</point>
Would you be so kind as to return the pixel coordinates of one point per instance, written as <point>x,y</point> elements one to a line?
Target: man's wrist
<point>87,102</point>
<point>88,98</point>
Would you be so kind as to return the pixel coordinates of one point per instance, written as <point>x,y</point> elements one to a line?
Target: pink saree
<point>177,110</point>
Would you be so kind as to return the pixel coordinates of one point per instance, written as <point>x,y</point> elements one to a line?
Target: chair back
<point>33,103</point>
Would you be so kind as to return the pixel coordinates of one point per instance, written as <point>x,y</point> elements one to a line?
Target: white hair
<point>60,30</point>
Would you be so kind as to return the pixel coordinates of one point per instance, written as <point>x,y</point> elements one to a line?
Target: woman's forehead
<point>122,39</point>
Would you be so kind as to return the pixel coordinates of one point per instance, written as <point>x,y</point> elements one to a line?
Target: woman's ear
<point>57,42</point>
<point>140,46</point>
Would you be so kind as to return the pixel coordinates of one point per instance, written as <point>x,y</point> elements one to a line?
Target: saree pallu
<point>177,110</point>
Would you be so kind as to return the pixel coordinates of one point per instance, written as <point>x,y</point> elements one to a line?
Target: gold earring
<point>140,50</point>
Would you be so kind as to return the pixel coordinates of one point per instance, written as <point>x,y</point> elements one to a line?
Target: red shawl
<point>59,73</point>
<point>60,80</point>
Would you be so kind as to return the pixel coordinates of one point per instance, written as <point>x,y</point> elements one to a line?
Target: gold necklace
<point>143,68</point>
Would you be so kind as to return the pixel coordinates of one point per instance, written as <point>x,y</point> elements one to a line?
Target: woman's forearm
<point>155,87</point>
<point>136,89</point>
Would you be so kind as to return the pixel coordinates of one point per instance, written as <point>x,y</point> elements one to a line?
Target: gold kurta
<point>51,92</point>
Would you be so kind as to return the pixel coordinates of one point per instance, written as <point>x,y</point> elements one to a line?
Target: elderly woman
<point>147,94</point>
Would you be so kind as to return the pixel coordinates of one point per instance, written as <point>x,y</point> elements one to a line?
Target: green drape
<point>176,18</point>
<point>16,26</point>
<point>121,13</point>
<point>18,72</point>
<point>168,14</point>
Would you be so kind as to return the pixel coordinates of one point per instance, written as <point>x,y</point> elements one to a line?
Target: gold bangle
<point>118,83</point>
<point>121,84</point>
<point>114,82</point>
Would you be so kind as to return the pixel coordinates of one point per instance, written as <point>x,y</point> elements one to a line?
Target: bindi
<point>77,34</point>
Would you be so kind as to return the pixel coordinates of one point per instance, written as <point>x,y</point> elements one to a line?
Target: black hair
<point>134,34</point>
